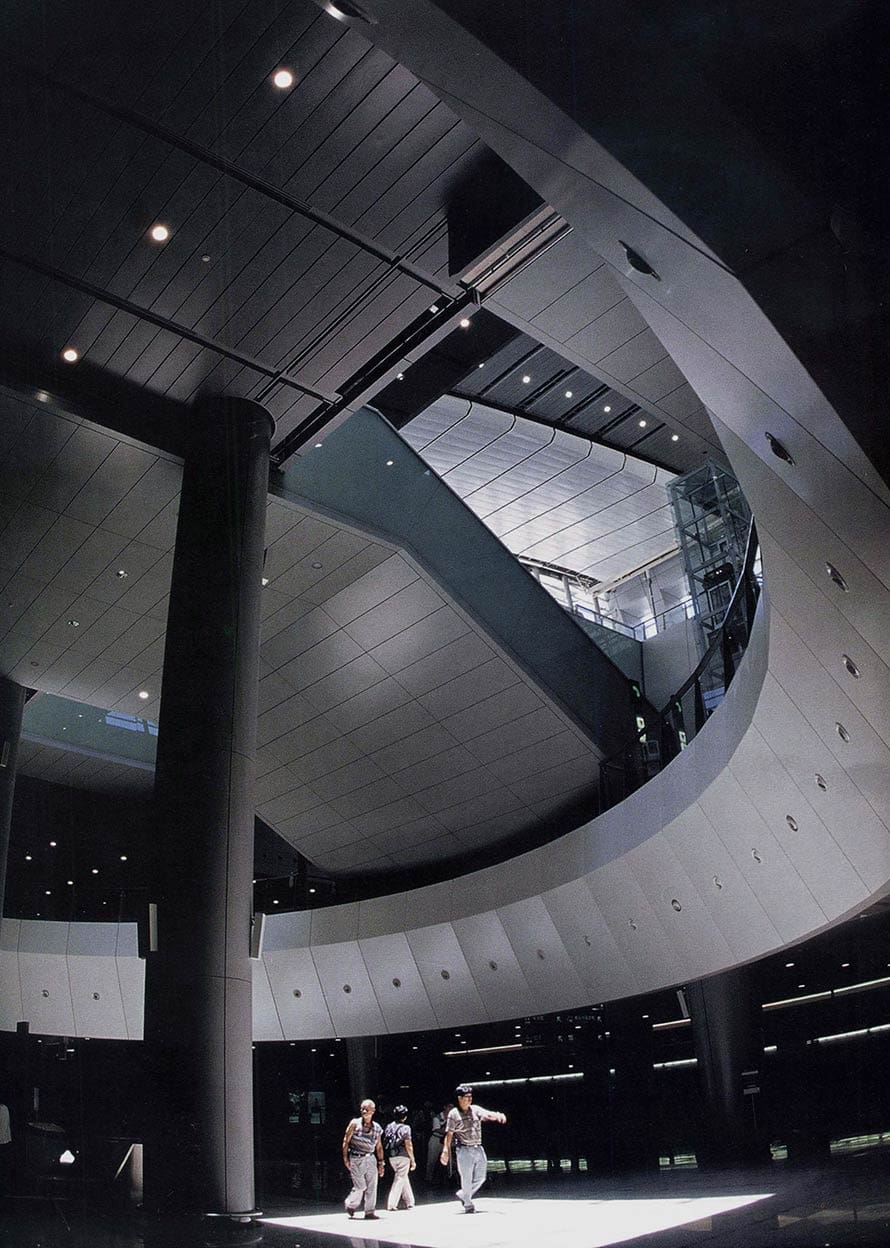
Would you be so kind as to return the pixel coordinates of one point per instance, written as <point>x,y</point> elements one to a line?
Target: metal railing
<point>689,709</point>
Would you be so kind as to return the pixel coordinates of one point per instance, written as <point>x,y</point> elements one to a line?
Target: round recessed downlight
<point>283,79</point>
<point>70,355</point>
<point>607,409</point>
<point>159,233</point>
<point>465,322</point>
<point>143,694</point>
<point>525,379</point>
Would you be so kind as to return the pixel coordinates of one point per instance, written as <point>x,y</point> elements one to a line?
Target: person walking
<point>437,1137</point>
<point>399,1148</point>
<point>465,1123</point>
<point>363,1158</point>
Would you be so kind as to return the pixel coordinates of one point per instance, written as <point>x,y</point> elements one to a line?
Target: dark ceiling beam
<point>425,332</point>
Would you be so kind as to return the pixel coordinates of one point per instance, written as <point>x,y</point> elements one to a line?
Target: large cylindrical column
<point>726,1033</point>
<point>199,1141</point>
<point>12,703</point>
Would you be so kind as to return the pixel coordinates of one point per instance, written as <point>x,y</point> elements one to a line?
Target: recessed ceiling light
<point>95,871</point>
<point>318,566</point>
<point>122,574</point>
<point>568,394</point>
<point>283,79</point>
<point>143,693</point>
<point>48,892</point>
<point>434,307</point>
<point>274,901</point>
<point>465,322</point>
<point>27,857</point>
<point>69,881</point>
<point>801,985</point>
<point>844,965</point>
<point>41,396</point>
<point>389,463</point>
<point>311,890</point>
<point>607,408</point>
<point>205,259</point>
<point>318,446</point>
<point>675,437</point>
<point>74,623</point>
<point>482,365</point>
<point>159,233</point>
<point>52,844</point>
<point>70,355</point>
<point>400,376</point>
<point>642,424</point>
<point>788,965</point>
<point>123,857</point>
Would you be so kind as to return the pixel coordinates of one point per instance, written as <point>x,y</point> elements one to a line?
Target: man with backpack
<point>399,1149</point>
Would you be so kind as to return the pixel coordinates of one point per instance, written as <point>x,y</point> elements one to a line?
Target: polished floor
<point>844,1202</point>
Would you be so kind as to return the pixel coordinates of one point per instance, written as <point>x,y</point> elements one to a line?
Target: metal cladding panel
<point>853,822</point>
<point>266,1023</point>
<point>49,937</point>
<point>397,983</point>
<point>131,974</point>
<point>822,864</point>
<point>757,854</point>
<point>287,931</point>
<point>813,615</point>
<point>96,995</point>
<point>10,931</point>
<point>10,983</point>
<point>46,993</point>
<point>598,961</point>
<point>378,916</point>
<point>93,939</point>
<point>446,975</point>
<point>299,999</point>
<point>494,966</point>
<point>348,990</point>
<point>547,967</point>
<point>689,928</point>
<point>723,887</point>
<point>634,925</point>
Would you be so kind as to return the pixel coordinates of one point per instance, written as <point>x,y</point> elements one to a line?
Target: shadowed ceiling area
<point>393,728</point>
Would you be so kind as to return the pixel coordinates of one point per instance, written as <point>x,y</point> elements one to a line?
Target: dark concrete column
<point>726,1033</point>
<point>12,703</point>
<point>199,1142</point>
<point>363,1062</point>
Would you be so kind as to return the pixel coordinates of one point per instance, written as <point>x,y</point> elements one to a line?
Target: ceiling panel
<point>559,499</point>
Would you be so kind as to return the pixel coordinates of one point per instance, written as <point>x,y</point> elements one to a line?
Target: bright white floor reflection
<point>497,1222</point>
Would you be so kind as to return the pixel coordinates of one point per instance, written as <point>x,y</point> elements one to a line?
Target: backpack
<point>392,1139</point>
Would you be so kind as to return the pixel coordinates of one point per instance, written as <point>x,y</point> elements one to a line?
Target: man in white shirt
<point>465,1123</point>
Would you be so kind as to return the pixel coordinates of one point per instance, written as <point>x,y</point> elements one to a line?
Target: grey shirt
<point>467,1128</point>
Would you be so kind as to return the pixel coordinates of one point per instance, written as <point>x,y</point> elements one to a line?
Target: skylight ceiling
<point>547,494</point>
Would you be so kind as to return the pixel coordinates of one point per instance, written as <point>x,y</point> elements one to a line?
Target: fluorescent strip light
<point>683,1061</point>
<point>868,983</point>
<point>494,1048</point>
<point>674,1022</point>
<point>810,996</point>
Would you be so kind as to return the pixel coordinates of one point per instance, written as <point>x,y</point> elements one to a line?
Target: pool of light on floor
<point>498,1221</point>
